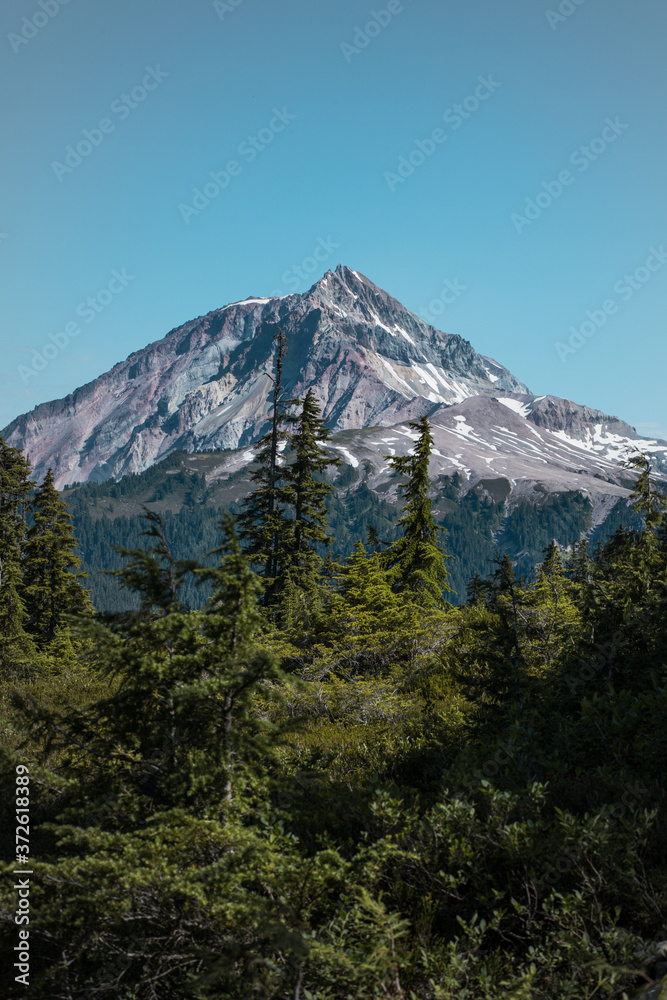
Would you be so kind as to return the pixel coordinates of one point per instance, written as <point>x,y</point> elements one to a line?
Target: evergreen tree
<point>506,600</point>
<point>579,568</point>
<point>306,496</point>
<point>16,649</point>
<point>552,617</point>
<point>231,665</point>
<point>416,562</point>
<point>648,500</point>
<point>364,616</point>
<point>51,587</point>
<point>265,529</point>
<point>374,541</point>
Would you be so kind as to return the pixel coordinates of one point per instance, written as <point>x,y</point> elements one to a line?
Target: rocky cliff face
<point>371,362</point>
<point>207,385</point>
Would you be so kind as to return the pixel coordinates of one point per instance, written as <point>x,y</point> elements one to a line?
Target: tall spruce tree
<point>306,496</point>
<point>264,528</point>
<point>16,649</point>
<point>416,562</point>
<point>51,588</point>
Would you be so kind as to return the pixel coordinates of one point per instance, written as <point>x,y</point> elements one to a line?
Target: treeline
<point>329,783</point>
<point>481,526</point>
<point>39,585</point>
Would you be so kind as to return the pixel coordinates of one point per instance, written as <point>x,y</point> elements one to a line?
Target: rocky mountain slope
<point>372,363</point>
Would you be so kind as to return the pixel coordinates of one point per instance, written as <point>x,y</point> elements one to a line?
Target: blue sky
<point>540,198</point>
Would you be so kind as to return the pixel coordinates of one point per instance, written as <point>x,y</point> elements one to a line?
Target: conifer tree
<point>373,539</point>
<point>506,599</point>
<point>416,563</point>
<point>366,621</point>
<point>263,525</point>
<point>16,649</point>
<point>51,587</point>
<point>649,501</point>
<point>306,497</point>
<point>579,565</point>
<point>552,616</point>
<point>231,665</point>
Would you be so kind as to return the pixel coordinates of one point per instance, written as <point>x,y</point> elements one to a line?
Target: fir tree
<point>51,587</point>
<point>506,599</point>
<point>306,496</point>
<point>265,530</point>
<point>366,622</point>
<point>16,649</point>
<point>232,666</point>
<point>579,564</point>
<point>552,616</point>
<point>416,562</point>
<point>648,500</point>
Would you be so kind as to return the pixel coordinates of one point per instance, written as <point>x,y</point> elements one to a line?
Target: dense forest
<point>481,524</point>
<point>326,780</point>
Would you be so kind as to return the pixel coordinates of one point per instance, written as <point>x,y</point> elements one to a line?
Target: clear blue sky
<point>329,175</point>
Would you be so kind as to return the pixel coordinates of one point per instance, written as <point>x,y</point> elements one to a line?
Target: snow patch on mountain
<point>514,404</point>
<point>354,462</point>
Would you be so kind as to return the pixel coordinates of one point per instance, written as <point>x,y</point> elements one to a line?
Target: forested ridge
<point>482,525</point>
<point>325,780</point>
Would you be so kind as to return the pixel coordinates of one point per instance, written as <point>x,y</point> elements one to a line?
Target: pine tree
<point>306,496</point>
<point>16,648</point>
<point>264,528</point>
<point>416,562</point>
<point>51,587</point>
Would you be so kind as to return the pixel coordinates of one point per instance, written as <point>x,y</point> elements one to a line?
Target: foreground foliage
<point>387,798</point>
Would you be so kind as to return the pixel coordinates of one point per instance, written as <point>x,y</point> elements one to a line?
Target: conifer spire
<point>262,523</point>
<point>416,563</point>
<point>16,649</point>
<point>306,495</point>
<point>51,587</point>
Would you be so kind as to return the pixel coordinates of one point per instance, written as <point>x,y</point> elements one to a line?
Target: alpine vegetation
<point>326,781</point>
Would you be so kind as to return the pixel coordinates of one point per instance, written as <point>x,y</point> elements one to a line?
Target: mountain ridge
<point>372,363</point>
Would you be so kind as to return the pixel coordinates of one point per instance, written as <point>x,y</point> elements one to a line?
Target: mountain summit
<point>372,363</point>
<point>207,383</point>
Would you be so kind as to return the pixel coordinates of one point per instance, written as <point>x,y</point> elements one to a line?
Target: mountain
<point>372,363</point>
